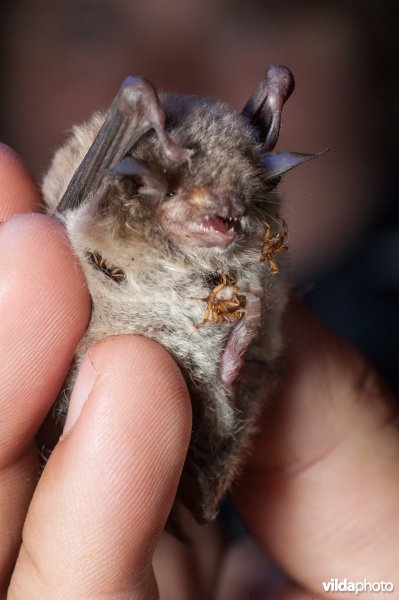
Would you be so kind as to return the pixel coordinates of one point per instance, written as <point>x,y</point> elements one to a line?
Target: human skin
<point>320,491</point>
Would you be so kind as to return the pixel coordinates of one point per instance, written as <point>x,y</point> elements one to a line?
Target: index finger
<point>18,190</point>
<point>44,309</point>
<point>322,489</point>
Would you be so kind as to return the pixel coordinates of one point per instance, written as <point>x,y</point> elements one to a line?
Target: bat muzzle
<point>218,219</point>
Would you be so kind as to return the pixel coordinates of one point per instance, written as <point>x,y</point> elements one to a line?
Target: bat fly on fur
<point>170,204</point>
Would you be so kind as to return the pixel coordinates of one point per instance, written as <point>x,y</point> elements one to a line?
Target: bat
<point>170,204</point>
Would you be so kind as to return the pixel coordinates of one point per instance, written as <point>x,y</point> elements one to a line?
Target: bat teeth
<point>232,222</point>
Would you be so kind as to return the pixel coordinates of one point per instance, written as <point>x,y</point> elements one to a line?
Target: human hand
<point>321,490</point>
<point>89,526</point>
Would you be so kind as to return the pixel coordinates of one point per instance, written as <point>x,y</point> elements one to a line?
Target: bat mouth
<point>215,230</point>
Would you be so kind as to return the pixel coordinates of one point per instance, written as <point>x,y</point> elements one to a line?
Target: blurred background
<point>62,59</point>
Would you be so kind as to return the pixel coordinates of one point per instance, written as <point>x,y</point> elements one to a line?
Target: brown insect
<point>224,304</point>
<point>113,272</point>
<point>273,244</point>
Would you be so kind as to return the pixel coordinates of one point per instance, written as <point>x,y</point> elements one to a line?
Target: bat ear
<point>129,167</point>
<point>134,111</point>
<point>264,107</point>
<point>277,163</point>
<point>132,168</point>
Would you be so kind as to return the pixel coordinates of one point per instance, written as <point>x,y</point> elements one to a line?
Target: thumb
<point>109,485</point>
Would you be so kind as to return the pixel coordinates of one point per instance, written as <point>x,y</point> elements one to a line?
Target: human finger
<point>321,491</point>
<point>108,487</point>
<point>18,191</point>
<point>44,309</point>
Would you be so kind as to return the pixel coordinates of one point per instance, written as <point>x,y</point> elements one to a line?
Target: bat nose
<point>234,204</point>
<point>229,204</point>
<point>225,203</point>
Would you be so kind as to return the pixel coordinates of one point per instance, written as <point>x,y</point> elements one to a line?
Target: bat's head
<point>181,172</point>
<point>222,195</point>
<point>215,198</point>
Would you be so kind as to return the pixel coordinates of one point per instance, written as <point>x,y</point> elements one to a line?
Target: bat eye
<point>170,194</point>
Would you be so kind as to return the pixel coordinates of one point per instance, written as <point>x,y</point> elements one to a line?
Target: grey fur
<point>165,276</point>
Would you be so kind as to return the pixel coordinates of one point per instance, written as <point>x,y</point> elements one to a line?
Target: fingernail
<point>81,391</point>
